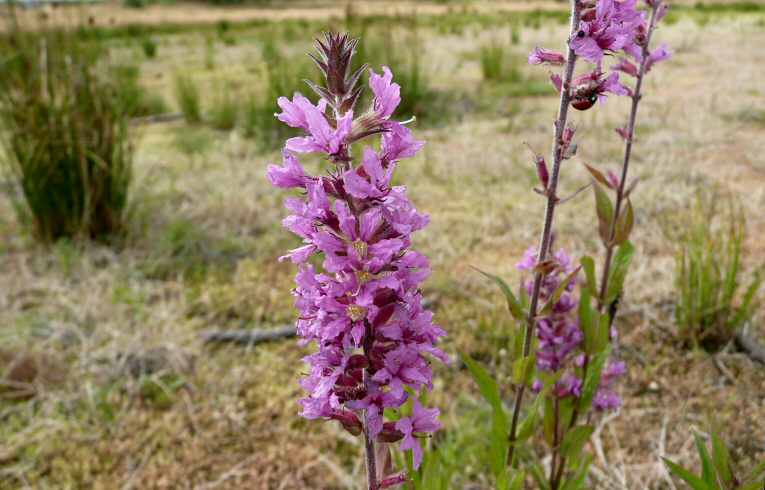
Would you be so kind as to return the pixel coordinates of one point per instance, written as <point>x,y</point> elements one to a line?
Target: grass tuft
<point>66,136</point>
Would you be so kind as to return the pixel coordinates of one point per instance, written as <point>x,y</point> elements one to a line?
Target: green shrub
<point>65,133</point>
<point>138,102</point>
<point>710,305</point>
<point>188,98</point>
<point>225,111</point>
<point>719,470</point>
<point>492,57</point>
<point>404,57</point>
<point>149,47</point>
<point>279,76</point>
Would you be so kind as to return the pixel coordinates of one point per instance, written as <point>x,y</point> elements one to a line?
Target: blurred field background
<point>105,380</point>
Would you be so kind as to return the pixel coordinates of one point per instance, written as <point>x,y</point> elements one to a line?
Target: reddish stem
<point>552,200</point>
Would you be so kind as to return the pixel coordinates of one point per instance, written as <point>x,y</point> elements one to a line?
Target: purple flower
<point>606,29</point>
<point>361,302</point>
<point>626,66</point>
<point>387,94</point>
<point>540,55</point>
<point>659,54</point>
<point>593,86</point>
<point>558,333</point>
<point>295,112</point>
<point>560,338</point>
<point>605,397</point>
<point>291,174</point>
<point>423,420</point>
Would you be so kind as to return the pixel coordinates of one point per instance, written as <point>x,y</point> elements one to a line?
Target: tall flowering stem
<point>616,225</point>
<point>558,152</point>
<point>358,281</point>
<point>658,8</point>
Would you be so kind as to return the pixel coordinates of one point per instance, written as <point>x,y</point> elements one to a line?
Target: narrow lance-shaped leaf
<point>523,369</point>
<point>694,481</point>
<point>548,307</point>
<point>707,468</point>
<point>486,384</point>
<point>624,224</point>
<point>588,264</point>
<point>605,212</point>
<point>577,481</point>
<point>620,266</point>
<point>592,380</point>
<point>597,175</point>
<point>721,458</point>
<point>574,440</point>
<point>587,320</point>
<point>512,303</point>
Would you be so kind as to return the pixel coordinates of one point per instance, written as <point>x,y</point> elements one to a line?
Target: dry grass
<point>203,252</point>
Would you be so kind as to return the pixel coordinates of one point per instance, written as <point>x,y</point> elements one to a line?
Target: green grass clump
<point>65,133</point>
<point>138,101</point>
<point>149,47</point>
<point>493,60</point>
<point>710,304</point>
<point>188,98</point>
<point>282,77</point>
<point>225,112</point>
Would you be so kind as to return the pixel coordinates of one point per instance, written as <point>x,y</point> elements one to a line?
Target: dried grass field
<point>106,383</point>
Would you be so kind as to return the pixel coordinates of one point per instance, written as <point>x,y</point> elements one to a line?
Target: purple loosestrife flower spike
<point>362,305</point>
<point>560,338</point>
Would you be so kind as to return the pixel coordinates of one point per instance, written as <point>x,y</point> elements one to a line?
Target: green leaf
<point>597,175</point>
<point>548,307</point>
<point>758,471</point>
<point>743,311</point>
<point>574,440</point>
<point>512,303</point>
<point>589,270</point>
<point>517,482</point>
<point>498,438</point>
<point>527,428</point>
<point>619,268</point>
<point>577,481</point>
<point>694,481</point>
<point>592,380</point>
<point>524,369</point>
<point>605,211</point>
<point>721,458</point>
<point>588,320</point>
<point>707,468</point>
<point>624,224</point>
<point>548,421</point>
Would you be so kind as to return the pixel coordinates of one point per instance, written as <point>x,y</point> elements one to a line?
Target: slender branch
<point>552,200</point>
<point>636,96</point>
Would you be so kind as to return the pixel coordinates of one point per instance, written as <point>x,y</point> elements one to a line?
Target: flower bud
<point>394,480</point>
<point>540,56</point>
<point>349,421</point>
<point>389,433</point>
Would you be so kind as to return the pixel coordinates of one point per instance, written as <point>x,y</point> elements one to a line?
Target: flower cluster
<point>362,306</point>
<point>606,28</point>
<point>559,335</point>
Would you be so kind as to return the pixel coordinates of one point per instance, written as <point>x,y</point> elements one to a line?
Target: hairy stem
<point>552,200</point>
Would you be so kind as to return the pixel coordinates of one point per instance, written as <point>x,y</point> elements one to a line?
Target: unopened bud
<point>349,421</point>
<point>394,480</point>
<point>389,433</point>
